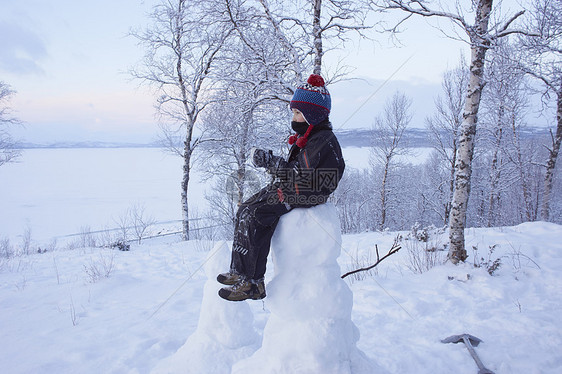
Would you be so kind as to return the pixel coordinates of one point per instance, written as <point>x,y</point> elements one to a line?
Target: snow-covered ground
<point>92,310</point>
<point>58,317</point>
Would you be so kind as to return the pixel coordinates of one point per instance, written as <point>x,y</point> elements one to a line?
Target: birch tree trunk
<point>522,166</point>
<point>188,111</point>
<point>317,37</point>
<point>495,174</point>
<point>389,131</point>
<point>465,151</point>
<point>181,45</point>
<point>551,162</point>
<point>384,193</point>
<point>184,192</point>
<point>444,126</point>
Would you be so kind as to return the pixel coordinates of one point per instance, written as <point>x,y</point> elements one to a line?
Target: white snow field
<point>155,307</point>
<point>57,317</point>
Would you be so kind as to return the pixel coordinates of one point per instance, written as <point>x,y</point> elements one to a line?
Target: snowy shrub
<point>134,222</point>
<point>205,227</point>
<point>73,316</point>
<point>419,233</point>
<point>519,260</point>
<point>52,246</point>
<point>141,222</point>
<point>6,249</point>
<point>121,245</point>
<point>100,268</point>
<point>490,265</point>
<point>423,234</point>
<point>424,255</point>
<point>72,245</point>
<point>87,238</point>
<point>108,238</point>
<point>123,223</point>
<point>21,283</point>
<point>26,241</point>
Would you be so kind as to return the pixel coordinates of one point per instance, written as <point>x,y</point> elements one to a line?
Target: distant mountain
<point>414,137</point>
<point>87,144</point>
<point>366,137</point>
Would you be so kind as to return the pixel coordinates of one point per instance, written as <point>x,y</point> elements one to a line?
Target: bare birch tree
<point>243,118</point>
<point>505,105</point>
<point>308,29</point>
<point>444,126</point>
<point>481,36</point>
<point>182,45</point>
<point>543,52</point>
<point>250,109</point>
<point>8,146</point>
<point>260,28</point>
<point>333,19</point>
<point>388,144</point>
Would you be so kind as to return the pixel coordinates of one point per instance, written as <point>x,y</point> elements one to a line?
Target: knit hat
<point>313,100</point>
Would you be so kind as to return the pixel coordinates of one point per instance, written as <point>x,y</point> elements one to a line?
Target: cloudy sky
<point>68,62</point>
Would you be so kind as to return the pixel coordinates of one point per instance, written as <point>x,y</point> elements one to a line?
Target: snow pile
<point>310,328</point>
<point>151,303</point>
<point>225,330</point>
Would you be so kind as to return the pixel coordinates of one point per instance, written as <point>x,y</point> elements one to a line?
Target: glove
<point>261,158</point>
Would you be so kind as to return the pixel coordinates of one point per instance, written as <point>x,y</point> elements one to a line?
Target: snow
<point>157,310</point>
<point>310,328</point>
<point>55,318</point>
<point>225,329</point>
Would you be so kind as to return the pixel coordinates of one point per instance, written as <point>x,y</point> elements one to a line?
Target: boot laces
<point>240,284</point>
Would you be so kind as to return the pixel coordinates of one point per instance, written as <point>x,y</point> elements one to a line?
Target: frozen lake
<point>57,192</point>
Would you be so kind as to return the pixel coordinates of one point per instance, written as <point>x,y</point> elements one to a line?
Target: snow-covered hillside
<point>61,314</point>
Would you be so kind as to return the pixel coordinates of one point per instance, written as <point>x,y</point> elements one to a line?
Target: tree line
<point>508,167</point>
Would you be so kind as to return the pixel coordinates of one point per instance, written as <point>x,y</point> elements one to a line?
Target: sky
<point>68,61</point>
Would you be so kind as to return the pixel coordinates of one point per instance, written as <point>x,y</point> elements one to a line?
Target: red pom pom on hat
<point>316,80</point>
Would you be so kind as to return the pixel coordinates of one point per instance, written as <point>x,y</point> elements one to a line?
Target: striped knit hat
<point>313,100</point>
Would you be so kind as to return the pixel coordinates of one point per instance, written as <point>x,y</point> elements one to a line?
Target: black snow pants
<point>256,221</point>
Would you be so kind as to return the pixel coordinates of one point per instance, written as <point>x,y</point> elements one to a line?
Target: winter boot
<point>243,290</point>
<point>229,279</point>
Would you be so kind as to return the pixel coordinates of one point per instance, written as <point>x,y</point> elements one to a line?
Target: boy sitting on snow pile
<point>311,173</point>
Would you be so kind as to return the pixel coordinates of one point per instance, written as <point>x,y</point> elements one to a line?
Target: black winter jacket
<point>311,174</point>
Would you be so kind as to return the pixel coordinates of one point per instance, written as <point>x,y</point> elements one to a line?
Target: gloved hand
<point>261,158</point>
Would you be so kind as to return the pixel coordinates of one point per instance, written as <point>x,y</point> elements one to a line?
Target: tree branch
<point>395,248</point>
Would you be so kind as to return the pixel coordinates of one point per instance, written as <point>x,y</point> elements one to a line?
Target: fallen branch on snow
<point>395,248</point>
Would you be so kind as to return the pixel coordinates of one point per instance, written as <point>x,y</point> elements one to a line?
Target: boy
<point>310,174</point>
